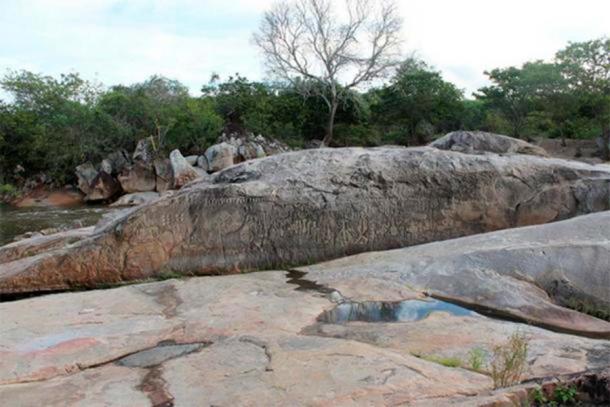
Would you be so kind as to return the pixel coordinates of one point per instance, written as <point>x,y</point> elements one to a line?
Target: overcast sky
<point>125,41</point>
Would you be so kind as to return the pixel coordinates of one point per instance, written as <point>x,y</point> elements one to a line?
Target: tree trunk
<point>331,124</point>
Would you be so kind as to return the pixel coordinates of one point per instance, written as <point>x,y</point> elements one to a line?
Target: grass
<point>477,359</point>
<point>441,360</point>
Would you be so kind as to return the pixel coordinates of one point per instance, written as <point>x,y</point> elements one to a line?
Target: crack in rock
<point>261,344</point>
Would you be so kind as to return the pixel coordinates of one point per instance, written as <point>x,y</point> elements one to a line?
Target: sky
<point>126,41</point>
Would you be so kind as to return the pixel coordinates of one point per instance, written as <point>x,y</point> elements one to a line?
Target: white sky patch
<point>125,41</point>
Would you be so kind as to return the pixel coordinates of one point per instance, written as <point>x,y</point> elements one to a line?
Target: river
<point>17,221</point>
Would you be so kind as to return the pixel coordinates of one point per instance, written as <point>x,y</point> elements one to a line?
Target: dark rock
<point>85,173</point>
<point>115,163</point>
<point>103,187</point>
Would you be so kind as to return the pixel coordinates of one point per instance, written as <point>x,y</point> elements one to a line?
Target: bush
<point>509,361</point>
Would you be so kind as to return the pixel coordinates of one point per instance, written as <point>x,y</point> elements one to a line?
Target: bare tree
<point>326,52</point>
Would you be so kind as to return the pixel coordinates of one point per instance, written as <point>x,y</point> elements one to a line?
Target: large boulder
<point>138,177</point>
<point>315,205</point>
<point>104,186</point>
<point>85,174</point>
<point>482,142</point>
<point>164,174</point>
<point>220,156</point>
<point>115,163</point>
<point>182,171</point>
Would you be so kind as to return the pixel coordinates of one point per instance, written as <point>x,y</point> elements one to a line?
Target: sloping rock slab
<point>39,244</point>
<point>482,142</point>
<point>525,273</point>
<point>315,205</point>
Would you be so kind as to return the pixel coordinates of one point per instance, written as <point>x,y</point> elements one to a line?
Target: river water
<point>17,221</point>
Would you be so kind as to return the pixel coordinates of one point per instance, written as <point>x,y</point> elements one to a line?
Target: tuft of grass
<point>509,361</point>
<point>477,358</point>
<point>445,361</point>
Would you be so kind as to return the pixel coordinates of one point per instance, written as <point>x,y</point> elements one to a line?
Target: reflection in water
<point>17,221</point>
<point>378,311</point>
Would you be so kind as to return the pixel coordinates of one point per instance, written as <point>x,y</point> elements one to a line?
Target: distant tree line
<point>50,125</point>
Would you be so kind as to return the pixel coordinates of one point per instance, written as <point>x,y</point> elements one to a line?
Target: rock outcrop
<point>533,273</point>
<point>478,142</point>
<point>138,178</point>
<point>316,205</point>
<point>253,340</point>
<point>115,163</point>
<point>182,171</point>
<point>103,187</point>
<point>85,174</point>
<point>220,156</point>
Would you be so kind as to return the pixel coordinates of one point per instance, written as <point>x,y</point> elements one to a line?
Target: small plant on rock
<point>477,359</point>
<point>565,396</point>
<point>509,360</point>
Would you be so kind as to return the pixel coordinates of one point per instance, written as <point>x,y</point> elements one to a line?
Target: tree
<point>586,66</point>
<point>305,42</point>
<point>419,100</point>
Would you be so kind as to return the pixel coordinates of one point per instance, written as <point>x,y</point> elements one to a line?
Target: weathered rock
<point>85,173</point>
<point>316,205</point>
<point>138,178</point>
<point>220,156</point>
<point>144,151</point>
<point>202,162</point>
<point>136,199</point>
<point>164,175</point>
<point>526,273</point>
<point>115,163</point>
<point>245,340</point>
<point>482,142</point>
<point>248,146</point>
<point>182,171</point>
<point>103,187</point>
<point>41,243</point>
<point>191,159</point>
<point>321,204</point>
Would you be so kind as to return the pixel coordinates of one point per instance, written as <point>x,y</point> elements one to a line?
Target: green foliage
<point>508,361</point>
<point>53,124</point>
<point>477,359</point>
<point>419,102</point>
<point>445,361</point>
<point>8,190</point>
<point>538,397</point>
<point>565,395</point>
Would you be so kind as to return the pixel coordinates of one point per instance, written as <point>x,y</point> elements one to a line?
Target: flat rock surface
<point>249,340</point>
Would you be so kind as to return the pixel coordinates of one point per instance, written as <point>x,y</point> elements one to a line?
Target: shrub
<point>509,360</point>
